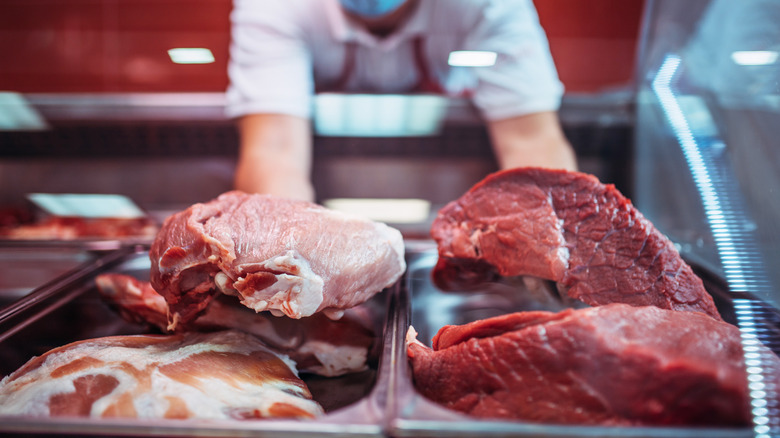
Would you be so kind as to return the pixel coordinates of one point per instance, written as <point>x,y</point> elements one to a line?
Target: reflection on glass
<point>708,117</point>
<point>754,57</point>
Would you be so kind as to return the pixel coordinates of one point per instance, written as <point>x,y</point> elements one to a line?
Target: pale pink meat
<point>290,257</point>
<point>317,344</point>
<point>220,375</point>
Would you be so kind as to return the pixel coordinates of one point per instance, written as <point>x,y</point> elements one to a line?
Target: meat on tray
<point>566,227</point>
<point>72,228</point>
<point>614,364</point>
<point>290,257</point>
<point>316,344</point>
<point>219,375</point>
<point>653,349</point>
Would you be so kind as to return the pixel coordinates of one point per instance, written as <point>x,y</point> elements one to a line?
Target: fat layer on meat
<point>220,375</point>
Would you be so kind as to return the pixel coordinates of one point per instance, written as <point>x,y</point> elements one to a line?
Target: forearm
<point>533,140</point>
<point>275,156</point>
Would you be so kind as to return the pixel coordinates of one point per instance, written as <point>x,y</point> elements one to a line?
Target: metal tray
<point>70,309</point>
<point>380,402</point>
<point>430,309</point>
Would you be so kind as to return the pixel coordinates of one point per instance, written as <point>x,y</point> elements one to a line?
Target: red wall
<point>111,45</point>
<point>121,45</point>
<point>593,42</point>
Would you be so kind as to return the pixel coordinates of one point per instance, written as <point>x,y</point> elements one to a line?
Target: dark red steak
<point>567,227</point>
<point>614,364</point>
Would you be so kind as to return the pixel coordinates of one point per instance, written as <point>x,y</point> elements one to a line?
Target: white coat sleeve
<point>524,79</point>
<point>269,69</point>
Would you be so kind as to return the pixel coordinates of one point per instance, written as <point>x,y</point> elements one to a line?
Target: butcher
<point>283,51</point>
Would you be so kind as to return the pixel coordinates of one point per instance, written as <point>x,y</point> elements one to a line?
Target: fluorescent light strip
<point>378,115</point>
<point>191,55</point>
<point>754,57</point>
<point>472,58</point>
<point>399,211</point>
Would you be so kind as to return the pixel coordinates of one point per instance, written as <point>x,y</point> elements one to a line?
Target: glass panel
<point>707,161</point>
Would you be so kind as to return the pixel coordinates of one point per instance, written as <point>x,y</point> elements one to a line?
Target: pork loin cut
<point>566,227</point>
<point>291,257</point>
<point>613,364</point>
<point>316,344</point>
<point>221,375</point>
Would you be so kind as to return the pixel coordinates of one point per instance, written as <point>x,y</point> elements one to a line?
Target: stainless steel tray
<point>71,309</point>
<point>430,309</point>
<point>380,402</point>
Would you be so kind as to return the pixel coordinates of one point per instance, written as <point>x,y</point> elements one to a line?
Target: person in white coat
<point>284,51</point>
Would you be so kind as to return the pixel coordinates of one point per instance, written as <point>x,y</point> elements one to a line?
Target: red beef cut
<point>567,227</point>
<point>609,365</point>
<point>290,257</point>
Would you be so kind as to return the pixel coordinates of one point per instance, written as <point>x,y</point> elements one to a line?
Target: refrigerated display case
<point>702,167</point>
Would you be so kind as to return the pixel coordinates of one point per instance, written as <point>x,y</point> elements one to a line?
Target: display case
<point>691,141</point>
<point>707,165</point>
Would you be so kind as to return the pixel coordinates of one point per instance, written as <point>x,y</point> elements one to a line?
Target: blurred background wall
<point>121,117</point>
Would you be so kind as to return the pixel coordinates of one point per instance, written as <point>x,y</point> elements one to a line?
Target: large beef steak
<point>613,364</point>
<point>567,227</point>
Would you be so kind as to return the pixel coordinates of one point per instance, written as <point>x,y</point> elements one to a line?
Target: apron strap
<point>346,71</point>
<point>426,83</point>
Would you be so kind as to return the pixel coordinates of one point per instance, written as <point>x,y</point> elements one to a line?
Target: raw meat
<point>316,344</point>
<point>613,364</point>
<point>220,375</point>
<point>291,257</point>
<point>566,227</point>
<point>73,228</point>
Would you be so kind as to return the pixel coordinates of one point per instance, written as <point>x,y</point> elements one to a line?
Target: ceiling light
<point>398,211</point>
<point>754,57</point>
<point>472,58</point>
<point>191,55</point>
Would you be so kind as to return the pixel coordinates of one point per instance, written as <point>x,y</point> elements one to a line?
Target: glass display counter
<point>707,165</point>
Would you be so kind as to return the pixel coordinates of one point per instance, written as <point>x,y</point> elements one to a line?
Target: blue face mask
<point>371,8</point>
